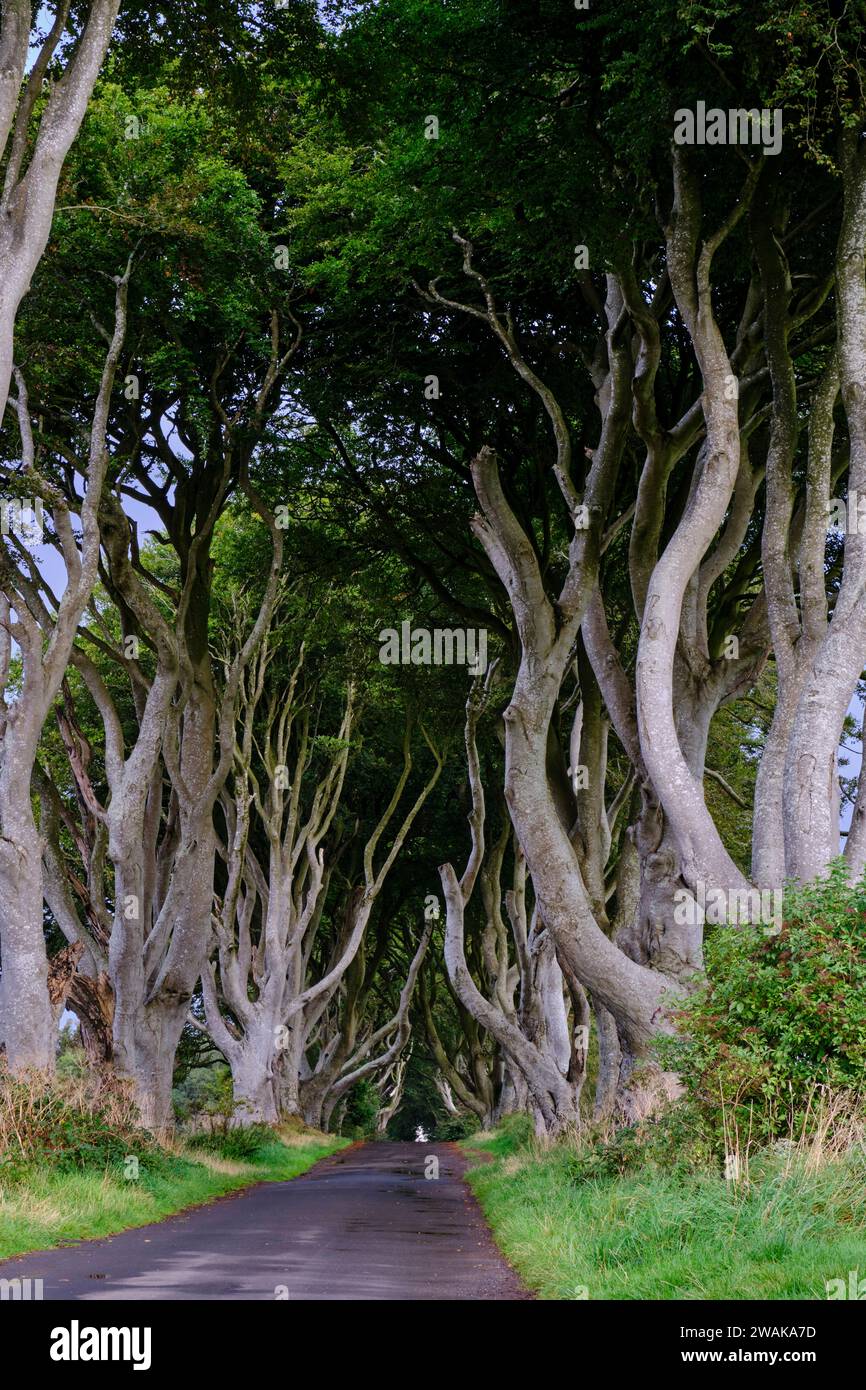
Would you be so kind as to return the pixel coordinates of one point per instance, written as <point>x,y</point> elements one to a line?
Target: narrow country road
<point>363,1224</point>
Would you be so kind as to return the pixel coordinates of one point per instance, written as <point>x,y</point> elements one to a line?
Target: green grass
<point>671,1235</point>
<point>44,1207</point>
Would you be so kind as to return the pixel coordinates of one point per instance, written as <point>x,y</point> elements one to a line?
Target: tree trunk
<point>156,1036</point>
<point>91,998</point>
<point>253,1091</point>
<point>609,1063</point>
<point>27,205</point>
<point>25,1009</point>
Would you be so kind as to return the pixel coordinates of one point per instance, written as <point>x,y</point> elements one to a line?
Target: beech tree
<point>264,1008</point>
<point>36,133</point>
<point>681,460</point>
<point>537,1050</point>
<point>567,346</point>
<point>183,464</point>
<point>44,628</point>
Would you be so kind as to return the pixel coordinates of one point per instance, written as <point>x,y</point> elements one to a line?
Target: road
<point>363,1224</point>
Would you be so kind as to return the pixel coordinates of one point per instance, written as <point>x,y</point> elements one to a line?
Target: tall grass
<point>793,1220</point>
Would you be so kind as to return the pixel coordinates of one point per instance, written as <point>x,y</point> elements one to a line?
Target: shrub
<point>675,1140</point>
<point>204,1095</point>
<point>455,1127</point>
<point>68,1124</point>
<point>779,1017</point>
<point>362,1108</point>
<point>242,1143</point>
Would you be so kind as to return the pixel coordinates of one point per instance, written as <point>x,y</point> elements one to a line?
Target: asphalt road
<point>363,1224</point>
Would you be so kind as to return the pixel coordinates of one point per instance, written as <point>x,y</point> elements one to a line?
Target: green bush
<point>362,1108</point>
<point>205,1090</point>
<point>455,1127</point>
<point>65,1125</point>
<point>241,1143</point>
<point>779,1016</point>
<point>676,1141</point>
<point>514,1133</point>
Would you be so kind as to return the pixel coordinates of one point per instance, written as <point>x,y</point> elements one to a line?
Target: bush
<point>678,1140</point>
<point>242,1143</point>
<point>203,1095</point>
<point>455,1127</point>
<point>362,1108</point>
<point>779,1017</point>
<point>68,1124</point>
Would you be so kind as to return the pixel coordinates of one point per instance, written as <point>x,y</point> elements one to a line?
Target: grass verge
<point>44,1207</point>
<point>671,1234</point>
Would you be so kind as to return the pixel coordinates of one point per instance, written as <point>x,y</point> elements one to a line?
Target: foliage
<point>779,1015</point>
<point>455,1127</point>
<point>675,1141</point>
<point>362,1107</point>
<point>67,1125</point>
<point>244,1142</point>
<point>205,1094</point>
<point>513,1134</point>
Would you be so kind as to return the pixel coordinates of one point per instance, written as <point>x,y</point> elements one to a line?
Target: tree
<point>33,162</point>
<point>505,346</point>
<point>263,1006</point>
<point>695,372</point>
<point>44,628</point>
